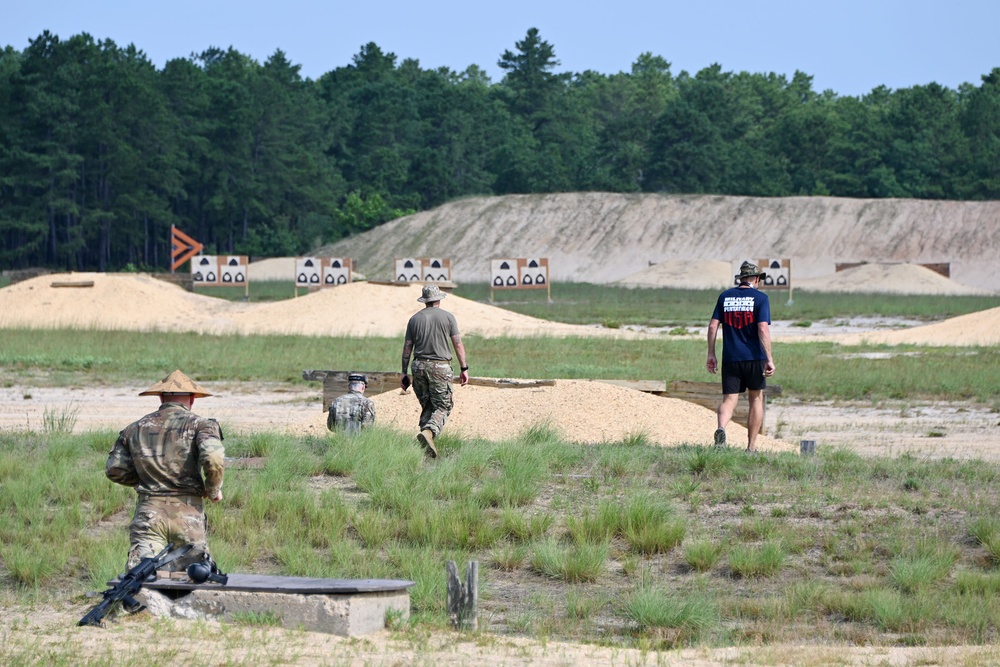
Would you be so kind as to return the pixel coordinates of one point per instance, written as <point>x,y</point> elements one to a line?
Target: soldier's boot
<point>426,440</point>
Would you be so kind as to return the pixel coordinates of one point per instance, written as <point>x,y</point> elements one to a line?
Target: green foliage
<point>655,608</point>
<point>251,158</point>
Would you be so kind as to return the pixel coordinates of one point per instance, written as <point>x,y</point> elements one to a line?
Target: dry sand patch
<point>139,302</point>
<point>581,411</point>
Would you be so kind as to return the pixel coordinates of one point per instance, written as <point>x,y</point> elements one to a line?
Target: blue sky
<point>849,46</point>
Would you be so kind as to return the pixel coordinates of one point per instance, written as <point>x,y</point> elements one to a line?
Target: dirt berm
<point>601,237</point>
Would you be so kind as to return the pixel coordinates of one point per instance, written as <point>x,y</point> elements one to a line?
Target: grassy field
<point>586,303</point>
<point>805,370</point>
<point>625,545</point>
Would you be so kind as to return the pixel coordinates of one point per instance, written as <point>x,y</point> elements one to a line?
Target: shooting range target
<point>436,269</point>
<point>534,272</point>
<point>233,270</point>
<point>503,273</point>
<point>338,272</point>
<point>205,270</point>
<point>308,271</point>
<point>408,269</point>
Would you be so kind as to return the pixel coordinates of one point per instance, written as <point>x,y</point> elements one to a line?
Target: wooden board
<point>709,395</point>
<point>262,583</point>
<point>77,283</point>
<point>335,383</point>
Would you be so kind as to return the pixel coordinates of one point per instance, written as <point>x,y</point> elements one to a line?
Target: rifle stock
<point>124,591</point>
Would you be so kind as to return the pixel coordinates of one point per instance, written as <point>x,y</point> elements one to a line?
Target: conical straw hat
<point>176,383</point>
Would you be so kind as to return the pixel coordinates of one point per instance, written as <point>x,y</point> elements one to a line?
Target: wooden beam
<point>379,382</point>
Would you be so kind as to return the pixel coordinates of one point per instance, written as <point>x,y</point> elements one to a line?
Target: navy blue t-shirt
<point>740,309</point>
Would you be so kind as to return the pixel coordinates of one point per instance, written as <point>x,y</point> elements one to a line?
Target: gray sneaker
<point>720,437</point>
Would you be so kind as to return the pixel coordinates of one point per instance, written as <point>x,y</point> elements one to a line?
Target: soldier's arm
<point>119,467</point>
<point>463,376</point>
<point>211,458</point>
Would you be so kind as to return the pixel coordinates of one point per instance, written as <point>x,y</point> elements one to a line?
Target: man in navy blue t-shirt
<point>745,316</point>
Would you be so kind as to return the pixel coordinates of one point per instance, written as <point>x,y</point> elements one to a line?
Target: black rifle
<point>129,585</point>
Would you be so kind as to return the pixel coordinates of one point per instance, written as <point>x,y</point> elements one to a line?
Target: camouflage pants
<point>160,520</point>
<point>432,385</point>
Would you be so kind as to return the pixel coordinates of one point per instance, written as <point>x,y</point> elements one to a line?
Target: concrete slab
<point>343,607</point>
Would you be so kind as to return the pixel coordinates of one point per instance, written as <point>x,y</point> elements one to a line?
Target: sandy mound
<point>140,302</point>
<point>602,237</point>
<point>886,279</point>
<point>133,302</point>
<point>682,274</point>
<point>982,328</point>
<point>581,410</point>
<point>272,268</point>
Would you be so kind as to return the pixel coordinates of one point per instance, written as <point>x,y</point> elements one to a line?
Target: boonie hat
<point>176,383</point>
<point>357,377</point>
<point>748,270</point>
<point>431,293</point>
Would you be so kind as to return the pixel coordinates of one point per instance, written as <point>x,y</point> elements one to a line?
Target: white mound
<point>886,279</point>
<point>580,410</point>
<point>683,274</point>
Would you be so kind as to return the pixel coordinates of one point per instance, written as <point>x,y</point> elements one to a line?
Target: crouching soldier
<point>352,411</point>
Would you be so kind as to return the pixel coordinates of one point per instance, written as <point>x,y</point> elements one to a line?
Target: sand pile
<point>581,410</point>
<point>683,274</point>
<point>982,328</point>
<point>133,302</point>
<point>886,279</point>
<point>365,309</point>
<point>272,268</point>
<point>140,302</point>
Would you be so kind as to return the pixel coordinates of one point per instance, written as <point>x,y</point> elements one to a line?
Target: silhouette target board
<point>215,270</point>
<point>422,269</point>
<point>519,273</point>
<point>322,271</point>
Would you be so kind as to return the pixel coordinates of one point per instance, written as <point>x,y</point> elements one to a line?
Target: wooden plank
<point>709,395</point>
<point>379,382</point>
<point>73,283</point>
<point>648,386</point>
<point>710,388</point>
<point>262,583</point>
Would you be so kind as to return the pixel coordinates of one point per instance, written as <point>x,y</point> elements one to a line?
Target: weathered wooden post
<point>463,598</point>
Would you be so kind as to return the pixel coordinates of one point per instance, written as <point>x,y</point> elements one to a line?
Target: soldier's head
<point>357,382</point>
<point>177,388</point>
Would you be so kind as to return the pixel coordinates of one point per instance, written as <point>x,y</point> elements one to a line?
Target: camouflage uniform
<point>351,412</point>
<point>432,385</point>
<point>163,455</point>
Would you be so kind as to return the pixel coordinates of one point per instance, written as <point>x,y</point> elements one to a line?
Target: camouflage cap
<point>357,377</point>
<point>748,270</point>
<point>176,383</point>
<point>431,293</point>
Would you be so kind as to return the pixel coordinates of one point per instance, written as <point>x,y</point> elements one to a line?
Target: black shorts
<point>738,376</point>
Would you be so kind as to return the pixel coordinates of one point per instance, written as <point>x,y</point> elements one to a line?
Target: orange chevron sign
<point>184,247</point>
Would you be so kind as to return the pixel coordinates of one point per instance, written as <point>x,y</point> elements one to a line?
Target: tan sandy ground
<point>142,640</point>
<point>683,274</point>
<point>139,302</point>
<point>580,410</point>
<point>877,278</point>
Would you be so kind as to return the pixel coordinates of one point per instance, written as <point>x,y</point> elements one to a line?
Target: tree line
<point>101,152</point>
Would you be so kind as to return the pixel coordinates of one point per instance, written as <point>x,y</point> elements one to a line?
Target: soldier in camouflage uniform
<point>352,412</point>
<point>430,336</point>
<point>174,459</point>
